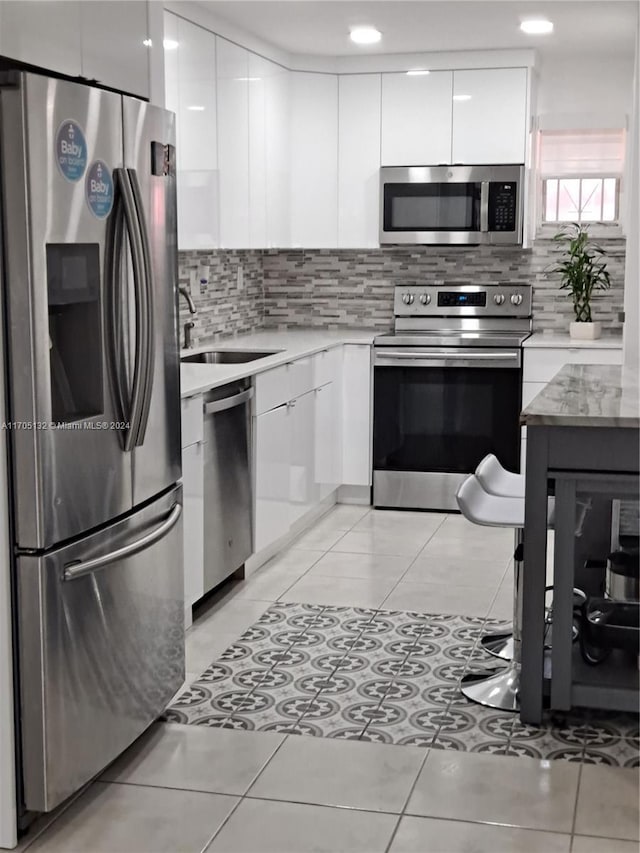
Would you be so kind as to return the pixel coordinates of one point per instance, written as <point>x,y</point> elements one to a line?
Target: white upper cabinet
<point>314,160</point>
<point>113,48</point>
<point>196,54</point>
<point>46,34</point>
<point>232,64</point>
<point>102,40</point>
<point>358,160</point>
<point>278,154</point>
<point>416,119</point>
<point>257,80</point>
<point>197,149</point>
<point>171,71</point>
<point>489,115</point>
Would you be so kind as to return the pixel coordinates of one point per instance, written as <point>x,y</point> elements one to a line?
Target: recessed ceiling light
<point>197,108</point>
<point>462,97</point>
<point>247,79</point>
<point>418,72</point>
<point>170,44</point>
<point>147,43</point>
<point>365,35</point>
<point>536,27</point>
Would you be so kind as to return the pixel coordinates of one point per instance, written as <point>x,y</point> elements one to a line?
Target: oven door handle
<point>394,358</point>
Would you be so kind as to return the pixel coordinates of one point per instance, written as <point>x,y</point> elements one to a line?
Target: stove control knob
<point>408,298</point>
<point>498,298</point>
<point>516,299</point>
<point>425,298</point>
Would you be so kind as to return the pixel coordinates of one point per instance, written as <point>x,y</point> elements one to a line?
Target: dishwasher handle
<point>228,402</point>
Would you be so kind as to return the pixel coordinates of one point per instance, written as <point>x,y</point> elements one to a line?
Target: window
<point>580,199</point>
<point>580,173</point>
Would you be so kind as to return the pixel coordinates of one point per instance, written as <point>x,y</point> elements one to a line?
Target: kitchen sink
<point>227,356</point>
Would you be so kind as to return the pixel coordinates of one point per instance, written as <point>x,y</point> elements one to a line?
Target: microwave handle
<point>484,205</point>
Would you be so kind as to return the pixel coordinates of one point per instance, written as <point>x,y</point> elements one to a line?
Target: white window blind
<point>580,173</point>
<point>579,153</point>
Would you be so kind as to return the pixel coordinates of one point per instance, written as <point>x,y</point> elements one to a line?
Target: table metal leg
<point>534,576</point>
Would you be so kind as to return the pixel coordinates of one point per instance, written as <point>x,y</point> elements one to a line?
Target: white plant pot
<point>584,331</point>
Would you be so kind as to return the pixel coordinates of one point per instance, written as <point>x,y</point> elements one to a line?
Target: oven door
<point>436,415</point>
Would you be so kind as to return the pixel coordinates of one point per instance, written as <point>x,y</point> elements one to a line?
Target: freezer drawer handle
<point>228,402</point>
<point>77,570</point>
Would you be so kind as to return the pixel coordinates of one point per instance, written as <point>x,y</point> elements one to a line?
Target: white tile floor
<point>191,789</point>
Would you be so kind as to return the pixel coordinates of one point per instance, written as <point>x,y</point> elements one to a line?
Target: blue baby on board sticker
<point>71,150</point>
<point>99,189</point>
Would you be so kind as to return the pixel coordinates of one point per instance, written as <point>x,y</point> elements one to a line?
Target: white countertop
<point>291,344</point>
<point>544,340</point>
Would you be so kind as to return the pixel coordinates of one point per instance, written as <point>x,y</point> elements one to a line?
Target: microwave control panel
<point>502,206</point>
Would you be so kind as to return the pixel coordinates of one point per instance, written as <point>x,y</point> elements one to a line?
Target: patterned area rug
<point>386,677</point>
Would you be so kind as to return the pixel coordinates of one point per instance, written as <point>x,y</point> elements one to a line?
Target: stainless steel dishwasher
<point>227,481</point>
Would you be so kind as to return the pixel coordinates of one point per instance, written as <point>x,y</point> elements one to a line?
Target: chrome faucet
<point>189,325</point>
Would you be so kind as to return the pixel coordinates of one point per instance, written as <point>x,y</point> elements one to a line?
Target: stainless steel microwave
<point>464,205</point>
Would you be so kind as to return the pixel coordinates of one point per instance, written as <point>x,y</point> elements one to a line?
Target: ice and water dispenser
<point>75,330</point>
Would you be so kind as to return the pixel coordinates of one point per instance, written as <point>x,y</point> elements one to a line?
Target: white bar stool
<point>496,480</point>
<point>499,690</point>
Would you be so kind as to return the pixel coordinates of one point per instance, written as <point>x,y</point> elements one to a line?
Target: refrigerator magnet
<point>99,189</point>
<point>71,150</point>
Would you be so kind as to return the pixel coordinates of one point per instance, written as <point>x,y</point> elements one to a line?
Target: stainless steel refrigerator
<point>89,270</point>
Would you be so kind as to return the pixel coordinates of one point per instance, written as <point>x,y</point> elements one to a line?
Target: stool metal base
<point>498,645</point>
<point>498,691</point>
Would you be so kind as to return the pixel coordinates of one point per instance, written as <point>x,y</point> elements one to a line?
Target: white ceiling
<point>321,27</point>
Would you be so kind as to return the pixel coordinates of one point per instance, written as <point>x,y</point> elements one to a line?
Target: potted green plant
<point>582,271</point>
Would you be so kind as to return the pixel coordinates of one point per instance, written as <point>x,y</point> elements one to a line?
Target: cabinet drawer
<point>191,414</point>
<point>301,376</point>
<point>327,366</point>
<point>273,388</point>
<point>541,365</point>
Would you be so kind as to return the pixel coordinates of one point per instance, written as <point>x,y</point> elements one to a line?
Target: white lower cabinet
<point>193,522</point>
<point>356,415</point>
<point>328,449</point>
<point>193,501</point>
<point>303,441</point>
<point>272,438</point>
<point>298,438</point>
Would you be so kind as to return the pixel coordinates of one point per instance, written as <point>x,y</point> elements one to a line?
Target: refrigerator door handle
<point>114,332</point>
<point>72,571</point>
<point>147,380</point>
<point>142,329</point>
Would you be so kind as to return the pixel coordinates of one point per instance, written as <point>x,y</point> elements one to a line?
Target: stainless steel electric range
<point>447,390</point>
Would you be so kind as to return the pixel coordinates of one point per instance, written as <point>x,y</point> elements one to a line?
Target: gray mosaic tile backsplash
<point>223,308</point>
<point>355,288</point>
<point>330,288</point>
